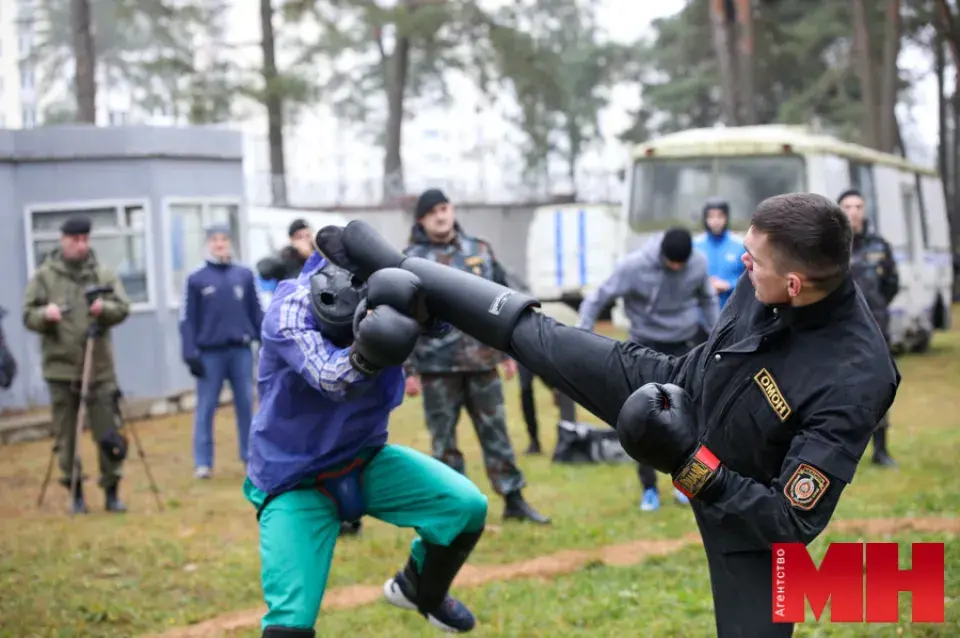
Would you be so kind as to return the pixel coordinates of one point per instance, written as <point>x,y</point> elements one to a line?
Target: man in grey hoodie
<point>670,304</point>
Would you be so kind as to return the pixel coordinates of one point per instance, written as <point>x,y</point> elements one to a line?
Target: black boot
<point>287,632</point>
<point>350,528</point>
<point>517,508</point>
<point>79,504</point>
<point>427,590</point>
<point>114,504</point>
<point>880,455</point>
<point>534,447</point>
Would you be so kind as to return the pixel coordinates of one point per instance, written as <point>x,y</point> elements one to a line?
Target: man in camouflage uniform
<point>457,370</point>
<point>875,272</point>
<point>55,306</point>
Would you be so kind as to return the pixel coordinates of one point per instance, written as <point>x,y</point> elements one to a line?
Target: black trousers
<point>568,409</point>
<point>648,475</point>
<point>742,584</point>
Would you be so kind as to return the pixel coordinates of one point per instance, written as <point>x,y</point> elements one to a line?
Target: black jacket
<point>875,271</point>
<point>787,399</point>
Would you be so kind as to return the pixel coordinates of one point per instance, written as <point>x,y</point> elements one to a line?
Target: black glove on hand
<point>657,426</point>
<point>196,367</point>
<point>399,289</point>
<point>381,339</point>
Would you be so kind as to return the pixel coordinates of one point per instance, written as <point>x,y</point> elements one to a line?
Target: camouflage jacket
<point>62,343</point>
<point>875,271</point>
<point>454,352</point>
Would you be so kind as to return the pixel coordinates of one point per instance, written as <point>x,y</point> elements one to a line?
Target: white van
<point>669,178</point>
<point>569,250</point>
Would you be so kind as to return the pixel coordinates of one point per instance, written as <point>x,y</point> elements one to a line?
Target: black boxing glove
<point>657,426</point>
<point>399,289</point>
<point>382,338</point>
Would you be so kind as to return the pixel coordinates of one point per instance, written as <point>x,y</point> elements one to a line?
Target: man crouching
<point>330,373</point>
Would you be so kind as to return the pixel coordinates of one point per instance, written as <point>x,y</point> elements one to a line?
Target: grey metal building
<point>150,192</point>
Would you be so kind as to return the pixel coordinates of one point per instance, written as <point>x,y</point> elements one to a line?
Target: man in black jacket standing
<point>875,271</point>
<point>762,426</point>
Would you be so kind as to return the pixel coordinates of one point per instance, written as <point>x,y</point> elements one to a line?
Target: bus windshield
<point>668,192</point>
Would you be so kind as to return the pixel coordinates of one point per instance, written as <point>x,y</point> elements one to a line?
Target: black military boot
<point>287,632</point>
<point>517,508</point>
<point>534,447</point>
<point>79,504</point>
<point>880,455</point>
<point>114,504</point>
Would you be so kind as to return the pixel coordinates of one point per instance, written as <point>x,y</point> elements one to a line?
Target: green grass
<point>111,576</point>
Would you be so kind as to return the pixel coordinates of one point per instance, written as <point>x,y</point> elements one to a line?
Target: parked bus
<point>670,178</point>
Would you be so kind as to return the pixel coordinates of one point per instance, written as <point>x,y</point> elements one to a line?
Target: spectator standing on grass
<point>670,302</point>
<point>875,271</point>
<point>723,249</point>
<point>220,318</point>
<point>456,371</point>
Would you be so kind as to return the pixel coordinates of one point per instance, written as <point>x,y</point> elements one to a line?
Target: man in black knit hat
<point>456,370</point>
<point>670,304</point>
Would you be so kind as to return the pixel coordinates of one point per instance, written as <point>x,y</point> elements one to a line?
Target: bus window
<point>861,178</point>
<point>672,191</point>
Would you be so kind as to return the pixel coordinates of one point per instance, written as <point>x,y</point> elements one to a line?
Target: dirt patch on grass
<point>553,565</point>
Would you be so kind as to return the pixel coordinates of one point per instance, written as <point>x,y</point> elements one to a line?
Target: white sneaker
<point>202,472</point>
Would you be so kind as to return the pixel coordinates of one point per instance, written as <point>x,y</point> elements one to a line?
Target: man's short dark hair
<point>809,234</point>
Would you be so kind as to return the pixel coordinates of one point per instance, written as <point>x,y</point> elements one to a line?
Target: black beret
<point>76,226</point>
<point>429,199</point>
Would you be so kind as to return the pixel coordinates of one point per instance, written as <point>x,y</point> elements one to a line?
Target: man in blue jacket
<point>219,319</point>
<point>722,248</point>
<point>330,374</point>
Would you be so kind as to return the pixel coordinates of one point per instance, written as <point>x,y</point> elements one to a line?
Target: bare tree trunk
<point>723,46</point>
<point>397,68</point>
<point>940,65</point>
<point>864,68</point>
<point>889,76</point>
<point>274,103</point>
<point>748,93</point>
<point>947,28</point>
<point>84,55</point>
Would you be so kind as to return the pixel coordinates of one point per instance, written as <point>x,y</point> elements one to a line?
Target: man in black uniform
<point>763,425</point>
<point>875,271</point>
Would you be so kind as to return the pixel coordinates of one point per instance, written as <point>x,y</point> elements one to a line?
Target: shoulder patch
<point>772,392</point>
<point>806,487</point>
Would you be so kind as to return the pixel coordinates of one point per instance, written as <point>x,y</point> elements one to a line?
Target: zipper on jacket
<point>725,409</point>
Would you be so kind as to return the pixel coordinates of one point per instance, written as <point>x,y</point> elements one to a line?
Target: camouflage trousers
<point>100,418</point>
<point>482,394</point>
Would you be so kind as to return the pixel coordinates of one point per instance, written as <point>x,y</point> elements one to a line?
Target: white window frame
<point>78,206</point>
<point>173,299</point>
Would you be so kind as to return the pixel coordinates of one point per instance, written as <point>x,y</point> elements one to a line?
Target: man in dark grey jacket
<point>670,304</point>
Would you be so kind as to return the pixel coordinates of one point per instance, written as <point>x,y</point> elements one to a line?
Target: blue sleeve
<point>254,306</point>
<point>189,318</point>
<point>293,335</point>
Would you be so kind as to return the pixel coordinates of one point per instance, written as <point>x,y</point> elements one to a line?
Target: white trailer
<point>571,249</point>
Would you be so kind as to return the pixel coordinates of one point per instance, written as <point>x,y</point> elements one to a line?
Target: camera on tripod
<point>91,294</point>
